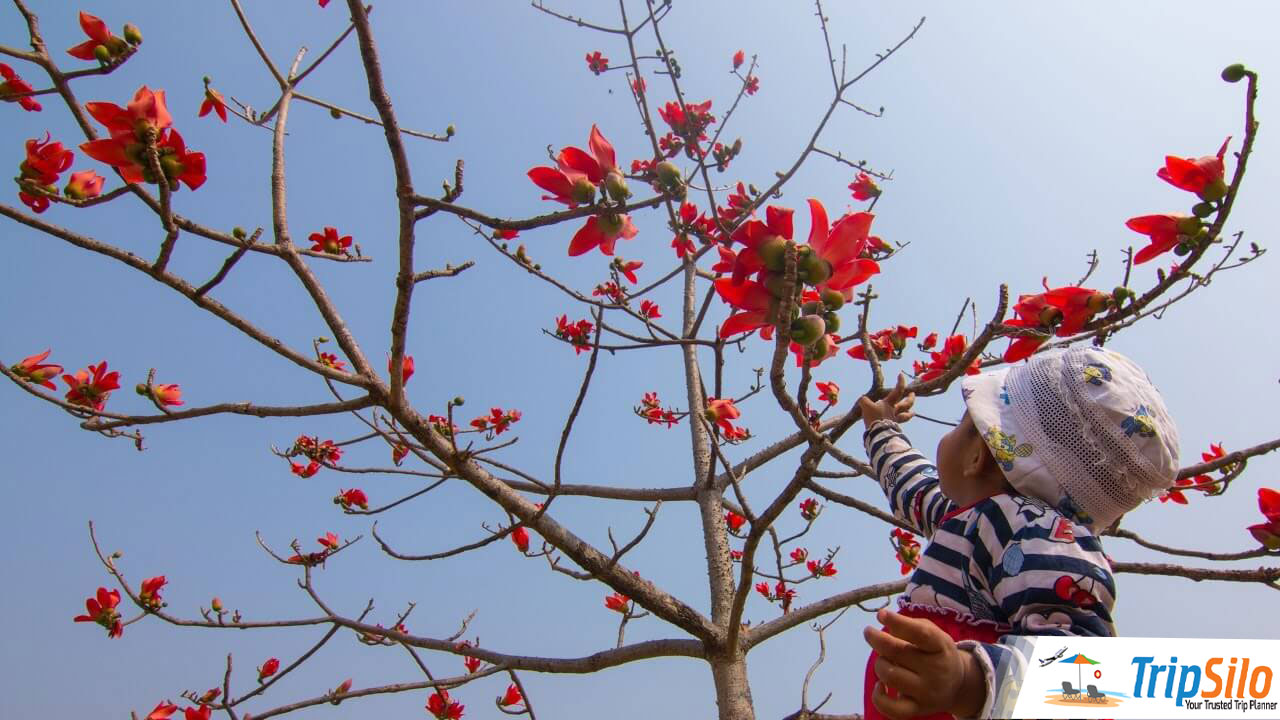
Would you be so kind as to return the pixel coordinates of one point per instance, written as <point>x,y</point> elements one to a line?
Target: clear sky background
<point>1021,136</point>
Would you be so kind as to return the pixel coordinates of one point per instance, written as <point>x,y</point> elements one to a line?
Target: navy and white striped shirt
<point>1008,560</point>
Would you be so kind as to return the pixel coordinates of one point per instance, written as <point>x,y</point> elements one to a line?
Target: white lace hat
<point>1082,429</point>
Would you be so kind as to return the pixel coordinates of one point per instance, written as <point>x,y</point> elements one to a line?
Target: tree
<point>433,440</point>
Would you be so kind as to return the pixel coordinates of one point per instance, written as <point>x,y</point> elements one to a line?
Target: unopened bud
<point>1202,209</point>
<point>450,131</point>
<point>140,388</point>
<point>238,233</point>
<point>1233,73</point>
<point>335,113</point>
<point>117,555</point>
<point>216,604</point>
<point>814,269</point>
<point>458,401</point>
<point>1189,225</point>
<point>773,252</point>
<point>583,192</point>
<point>808,329</point>
<point>207,79</point>
<point>833,299</point>
<point>133,36</point>
<point>833,321</point>
<point>1215,190</point>
<point>668,173</point>
<point>616,186</point>
<point>102,53</point>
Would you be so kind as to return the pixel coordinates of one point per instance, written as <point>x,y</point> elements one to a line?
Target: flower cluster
<point>443,708</point>
<point>688,128</point>
<point>611,291</point>
<point>832,263</point>
<point>496,422</point>
<point>1066,308</point>
<point>821,568</point>
<point>886,344</point>
<point>940,362</point>
<point>577,333</point>
<point>1203,176</point>
<point>328,544</point>
<point>906,548</point>
<point>779,593</point>
<point>102,45</point>
<point>34,370</point>
<point>573,182</point>
<point>1202,483</point>
<point>316,452</point>
<point>149,595</point>
<point>810,509</point>
<point>618,602</point>
<point>136,130</point>
<point>829,392</point>
<point>651,409</point>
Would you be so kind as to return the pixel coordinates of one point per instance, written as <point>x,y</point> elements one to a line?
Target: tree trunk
<point>733,692</point>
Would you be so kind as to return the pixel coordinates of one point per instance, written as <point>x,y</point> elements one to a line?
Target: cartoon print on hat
<point>1139,422</point>
<point>1005,448</point>
<point>1079,412</point>
<point>1096,373</point>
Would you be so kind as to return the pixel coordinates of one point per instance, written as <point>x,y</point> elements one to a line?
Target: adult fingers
<point>917,631</point>
<point>895,708</point>
<point>903,679</point>
<point>896,650</point>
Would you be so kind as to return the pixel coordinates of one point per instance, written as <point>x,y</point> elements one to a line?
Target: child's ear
<point>979,463</point>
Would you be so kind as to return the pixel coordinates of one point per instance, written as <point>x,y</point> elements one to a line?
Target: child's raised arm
<point>909,480</point>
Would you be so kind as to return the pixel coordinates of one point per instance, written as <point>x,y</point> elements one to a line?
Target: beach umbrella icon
<point>1078,659</point>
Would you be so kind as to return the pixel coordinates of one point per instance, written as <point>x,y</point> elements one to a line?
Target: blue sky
<point>1020,137</point>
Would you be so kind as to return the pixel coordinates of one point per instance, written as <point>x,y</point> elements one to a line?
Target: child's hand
<point>892,406</point>
<point>924,666</point>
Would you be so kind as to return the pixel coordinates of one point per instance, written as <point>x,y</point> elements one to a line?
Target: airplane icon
<point>1050,660</point>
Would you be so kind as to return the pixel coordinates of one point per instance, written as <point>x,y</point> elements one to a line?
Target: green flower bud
<point>1215,190</point>
<point>238,233</point>
<point>811,308</point>
<point>133,35</point>
<point>583,192</point>
<point>833,299</point>
<point>616,186</point>
<point>1189,226</point>
<point>335,113</point>
<point>450,131</point>
<point>102,53</point>
<point>1181,249</point>
<point>668,173</point>
<point>1233,73</point>
<point>808,329</point>
<point>833,321</point>
<point>773,283</point>
<point>1202,209</point>
<point>459,400</point>
<point>773,251</point>
<point>815,269</point>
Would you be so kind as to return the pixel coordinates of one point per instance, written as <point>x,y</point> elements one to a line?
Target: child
<point>1048,454</point>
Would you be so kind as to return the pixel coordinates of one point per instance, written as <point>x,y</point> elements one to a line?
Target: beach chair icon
<point>1094,695</point>
<point>1068,692</point>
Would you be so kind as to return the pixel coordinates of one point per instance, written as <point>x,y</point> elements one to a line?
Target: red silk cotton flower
<point>101,609</point>
<point>601,231</point>
<point>213,102</point>
<point>84,185</point>
<point>841,247</point>
<point>864,188</point>
<point>511,697</point>
<point>14,89</point>
<point>1202,176</point>
<point>145,118</point>
<point>617,602</point>
<point>268,668</point>
<point>34,370</point>
<point>1061,311</point>
<point>940,362</point>
<point>91,387</point>
<point>1268,533</point>
<point>45,161</point>
<point>99,36</point>
<point>354,497</point>
<point>440,706</point>
<point>330,242</point>
<point>520,537</point>
<point>1165,232</point>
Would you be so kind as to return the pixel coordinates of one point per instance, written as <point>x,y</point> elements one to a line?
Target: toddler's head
<point>1082,429</point>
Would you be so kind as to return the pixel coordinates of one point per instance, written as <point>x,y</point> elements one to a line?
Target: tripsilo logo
<point>1070,677</point>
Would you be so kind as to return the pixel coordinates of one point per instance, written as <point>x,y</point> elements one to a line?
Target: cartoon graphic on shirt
<point>1096,373</point>
<point>1139,422</point>
<point>1068,507</point>
<point>1005,448</point>
<point>1030,508</point>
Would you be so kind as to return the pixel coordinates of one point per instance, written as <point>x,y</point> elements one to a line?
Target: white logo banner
<point>1074,677</point>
